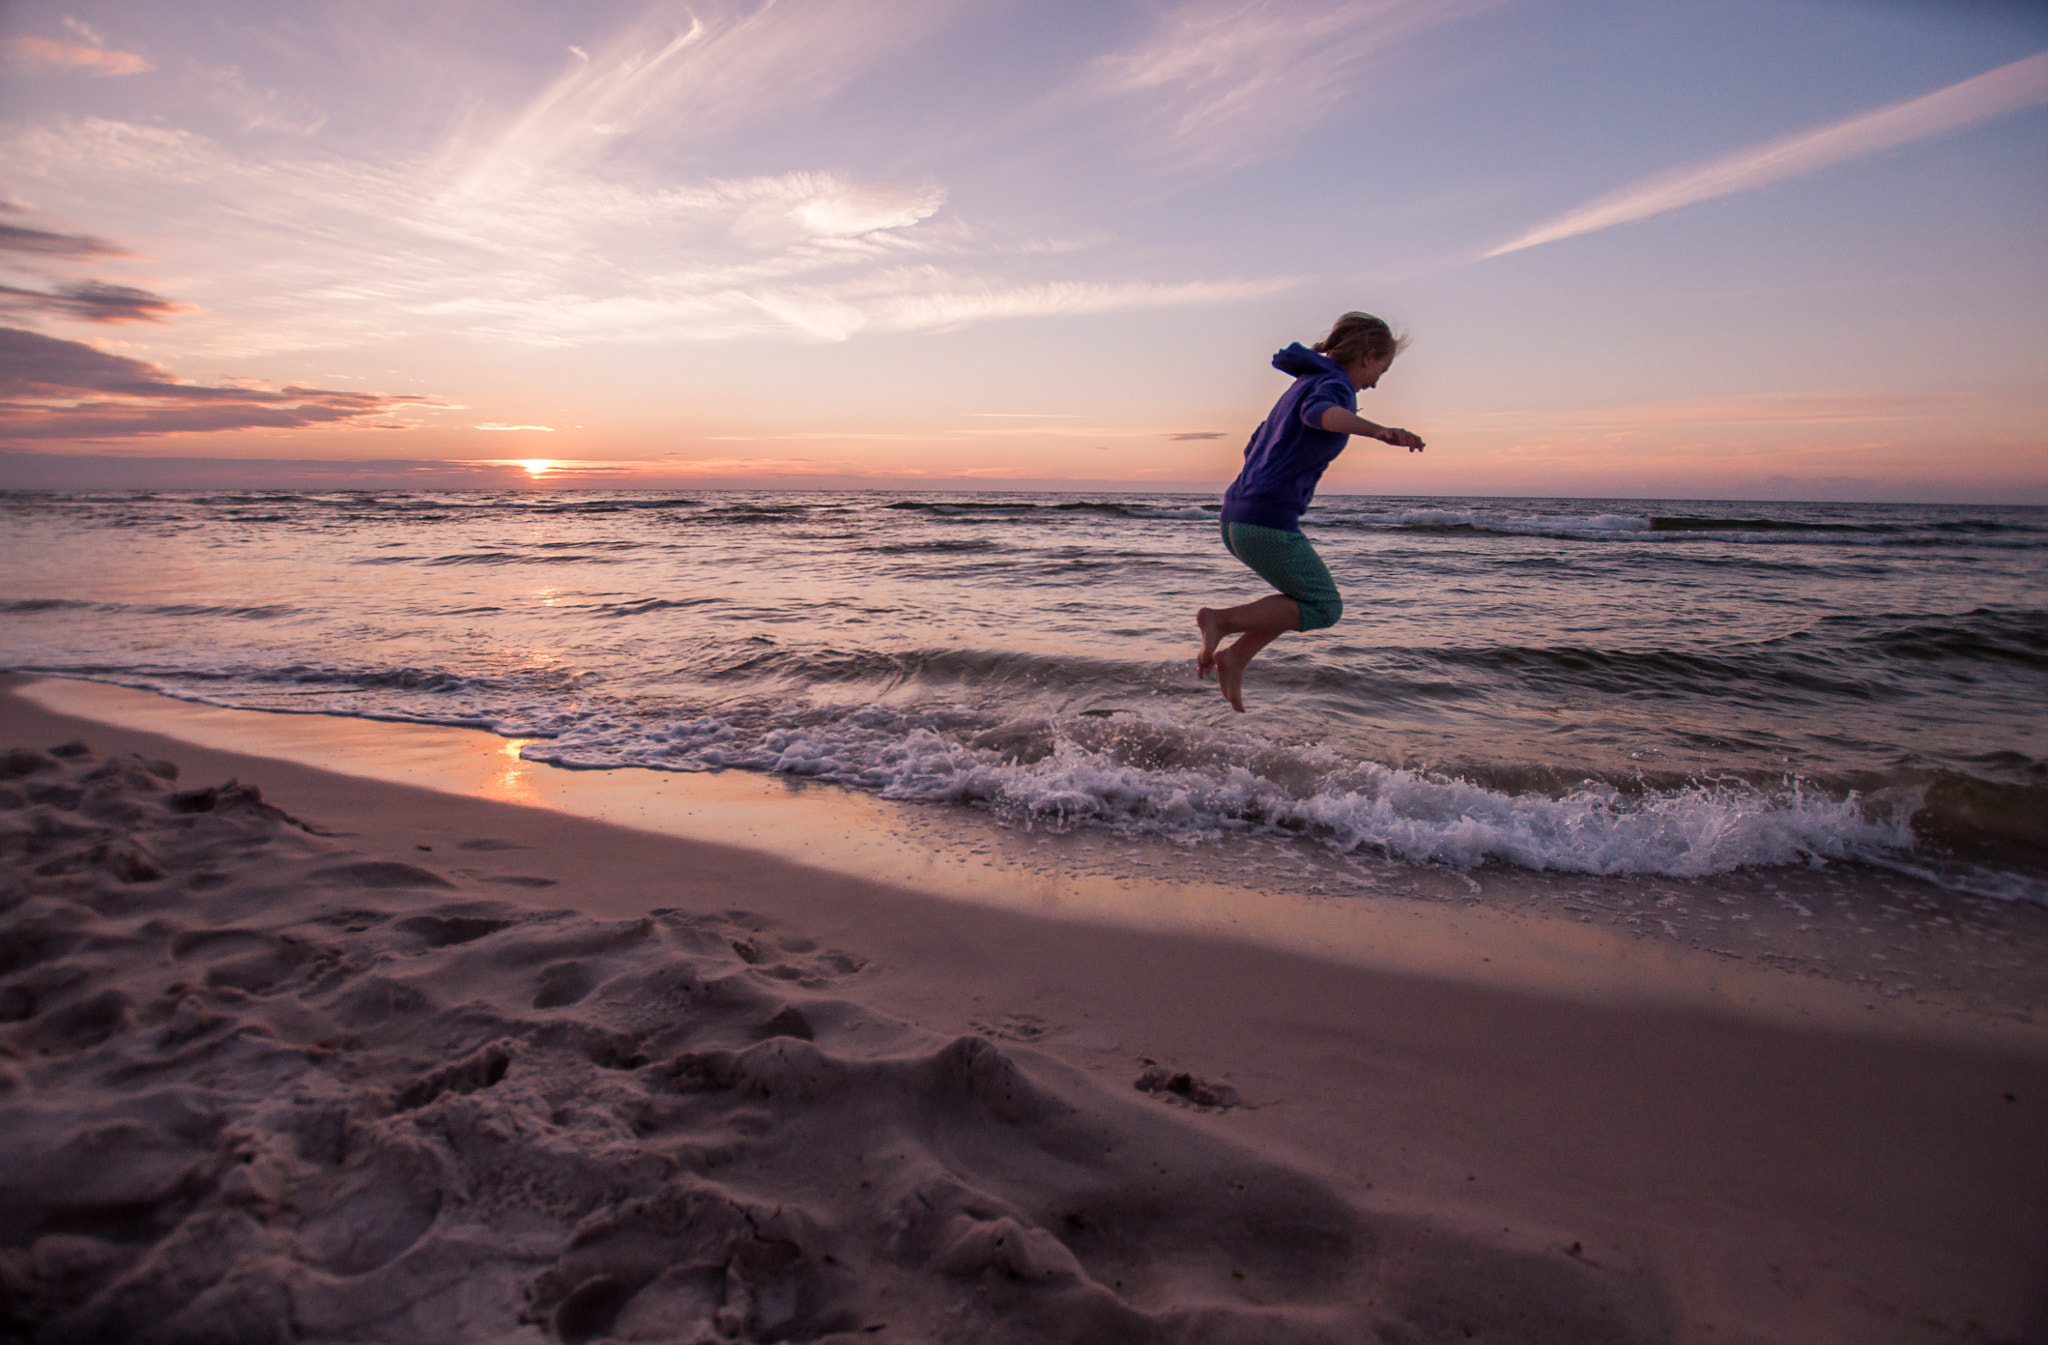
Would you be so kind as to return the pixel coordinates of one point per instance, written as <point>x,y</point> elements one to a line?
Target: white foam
<point>1533,525</point>
<point>1192,513</point>
<point>1416,816</point>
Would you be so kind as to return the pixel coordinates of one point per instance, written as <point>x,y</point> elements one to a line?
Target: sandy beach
<point>311,1056</point>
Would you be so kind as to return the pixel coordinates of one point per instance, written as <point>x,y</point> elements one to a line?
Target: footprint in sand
<point>563,984</point>
<point>754,940</point>
<point>1022,1027</point>
<point>379,874</point>
<point>384,1206</point>
<point>447,930</point>
<point>1185,1087</point>
<point>259,972</point>
<point>213,945</point>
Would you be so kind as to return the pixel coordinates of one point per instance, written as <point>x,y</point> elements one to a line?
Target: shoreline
<point>1781,1164</point>
<point>1499,927</point>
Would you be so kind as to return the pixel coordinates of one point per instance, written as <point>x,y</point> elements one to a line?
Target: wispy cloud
<point>2009,88</point>
<point>1214,79</point>
<point>257,108</point>
<point>695,70</point>
<point>96,59</point>
<point>89,301</point>
<point>496,426</point>
<point>52,389</point>
<point>43,243</point>
<point>921,307</point>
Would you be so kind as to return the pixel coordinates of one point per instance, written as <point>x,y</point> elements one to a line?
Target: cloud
<point>256,109</point>
<point>42,243</point>
<point>932,306</point>
<point>96,59</point>
<point>1217,79</point>
<point>544,228</point>
<point>67,390</point>
<point>89,301</point>
<point>318,250</point>
<point>494,425</point>
<point>1185,435</point>
<point>696,71</point>
<point>2009,88</point>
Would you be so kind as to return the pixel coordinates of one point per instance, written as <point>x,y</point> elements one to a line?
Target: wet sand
<point>723,1056</point>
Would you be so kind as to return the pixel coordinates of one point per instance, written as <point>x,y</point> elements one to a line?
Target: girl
<point>1282,463</point>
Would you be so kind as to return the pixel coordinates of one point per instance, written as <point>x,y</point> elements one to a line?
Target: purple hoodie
<point>1287,454</point>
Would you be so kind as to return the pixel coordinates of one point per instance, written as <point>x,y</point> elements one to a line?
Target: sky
<point>1768,249</point>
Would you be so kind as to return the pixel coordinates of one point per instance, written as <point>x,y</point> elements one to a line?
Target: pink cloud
<point>70,55</point>
<point>89,301</point>
<point>43,243</point>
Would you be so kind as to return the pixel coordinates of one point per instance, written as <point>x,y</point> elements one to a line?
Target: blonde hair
<point>1360,336</point>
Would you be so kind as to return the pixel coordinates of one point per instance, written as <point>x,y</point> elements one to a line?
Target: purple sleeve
<point>1326,393</point>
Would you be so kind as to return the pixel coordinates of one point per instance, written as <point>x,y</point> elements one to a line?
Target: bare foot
<point>1211,633</point>
<point>1230,676</point>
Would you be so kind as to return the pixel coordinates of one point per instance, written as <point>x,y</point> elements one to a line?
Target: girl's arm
<point>1340,421</point>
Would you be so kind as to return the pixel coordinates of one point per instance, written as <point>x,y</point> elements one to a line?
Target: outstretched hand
<point>1403,439</point>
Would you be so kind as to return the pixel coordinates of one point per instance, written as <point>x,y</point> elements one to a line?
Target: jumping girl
<point>1262,509</point>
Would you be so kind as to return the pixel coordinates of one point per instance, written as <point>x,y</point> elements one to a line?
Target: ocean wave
<point>1978,636</point>
<point>989,671</point>
<point>1133,509</point>
<point>1198,785</point>
<point>1694,523</point>
<point>520,558</point>
<point>259,612</point>
<point>255,612</point>
<point>963,506</point>
<point>944,544</point>
<point>1538,525</point>
<point>30,606</point>
<point>1041,512</point>
<point>649,606</point>
<point>612,506</point>
<point>1680,528</point>
<point>1043,641</point>
<point>1127,771</point>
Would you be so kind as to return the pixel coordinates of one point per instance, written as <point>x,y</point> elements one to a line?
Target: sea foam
<point>1236,782</point>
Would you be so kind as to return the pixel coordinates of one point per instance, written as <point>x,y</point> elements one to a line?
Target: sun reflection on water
<point>511,782</point>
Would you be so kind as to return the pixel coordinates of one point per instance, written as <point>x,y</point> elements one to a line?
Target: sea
<point>1677,688</point>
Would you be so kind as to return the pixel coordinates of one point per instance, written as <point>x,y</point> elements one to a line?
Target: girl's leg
<point>1256,624</point>
<point>1307,600</point>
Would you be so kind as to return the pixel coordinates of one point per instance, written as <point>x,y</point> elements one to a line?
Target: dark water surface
<point>1678,689</point>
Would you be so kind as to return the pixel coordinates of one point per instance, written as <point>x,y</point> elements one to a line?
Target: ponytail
<point>1360,336</point>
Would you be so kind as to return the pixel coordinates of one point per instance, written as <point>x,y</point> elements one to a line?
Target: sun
<point>538,466</point>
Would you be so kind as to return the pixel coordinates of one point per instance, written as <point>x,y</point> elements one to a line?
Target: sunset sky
<point>1717,250</point>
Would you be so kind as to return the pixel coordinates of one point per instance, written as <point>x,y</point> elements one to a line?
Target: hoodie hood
<point>1298,360</point>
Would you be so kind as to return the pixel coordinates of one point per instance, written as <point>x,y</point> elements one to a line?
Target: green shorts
<point>1287,562</point>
